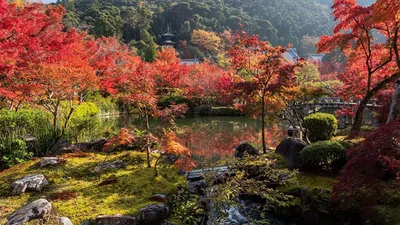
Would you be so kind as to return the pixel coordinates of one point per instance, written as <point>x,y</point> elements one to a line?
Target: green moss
<point>311,181</point>
<point>135,184</point>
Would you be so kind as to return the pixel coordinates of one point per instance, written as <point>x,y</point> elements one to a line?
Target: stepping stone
<point>34,210</point>
<point>34,182</point>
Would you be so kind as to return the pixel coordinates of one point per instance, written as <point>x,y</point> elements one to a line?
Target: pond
<point>210,139</point>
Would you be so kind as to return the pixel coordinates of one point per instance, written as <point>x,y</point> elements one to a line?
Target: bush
<point>84,121</point>
<point>327,155</point>
<point>14,153</point>
<point>321,126</point>
<point>372,163</point>
<point>14,126</point>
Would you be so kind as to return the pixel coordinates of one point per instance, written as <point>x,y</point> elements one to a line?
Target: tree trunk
<point>394,113</point>
<point>358,119</point>
<point>264,147</point>
<point>147,139</point>
<point>355,129</point>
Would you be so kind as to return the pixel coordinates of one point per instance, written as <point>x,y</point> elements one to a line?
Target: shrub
<point>14,126</point>
<point>328,155</point>
<point>321,126</point>
<point>371,162</point>
<point>14,153</point>
<point>84,121</point>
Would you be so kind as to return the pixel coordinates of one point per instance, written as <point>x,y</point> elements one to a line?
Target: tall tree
<point>264,70</point>
<point>371,66</point>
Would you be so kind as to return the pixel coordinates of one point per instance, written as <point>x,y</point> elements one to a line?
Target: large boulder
<point>245,148</point>
<point>34,182</point>
<point>153,215</point>
<point>290,149</point>
<point>109,165</point>
<point>115,220</point>
<point>34,210</point>
<point>50,161</point>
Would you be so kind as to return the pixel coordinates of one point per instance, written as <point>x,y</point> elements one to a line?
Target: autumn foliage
<point>123,138</point>
<point>263,70</point>
<point>371,64</point>
<point>371,163</point>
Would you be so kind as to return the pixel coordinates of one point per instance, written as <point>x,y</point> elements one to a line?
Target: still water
<point>210,139</point>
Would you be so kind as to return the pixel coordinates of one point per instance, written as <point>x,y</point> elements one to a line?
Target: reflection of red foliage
<point>360,183</point>
<point>216,143</point>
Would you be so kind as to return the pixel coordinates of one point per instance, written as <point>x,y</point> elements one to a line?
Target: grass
<point>81,198</point>
<point>311,181</point>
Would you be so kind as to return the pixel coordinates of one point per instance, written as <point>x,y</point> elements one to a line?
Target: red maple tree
<point>371,65</point>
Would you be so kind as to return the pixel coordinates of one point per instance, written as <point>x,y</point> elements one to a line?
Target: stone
<point>115,220</point>
<point>109,165</point>
<point>244,148</point>
<point>34,210</point>
<point>50,161</point>
<point>34,182</point>
<point>153,214</point>
<point>65,221</point>
<point>159,198</point>
<point>290,148</point>
<point>234,217</point>
<point>59,148</point>
<point>92,146</point>
<point>65,147</point>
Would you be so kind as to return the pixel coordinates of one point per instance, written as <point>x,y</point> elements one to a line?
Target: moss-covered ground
<point>74,189</point>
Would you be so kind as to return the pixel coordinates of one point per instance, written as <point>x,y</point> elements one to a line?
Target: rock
<point>92,146</point>
<point>109,165</point>
<point>170,159</point>
<point>152,214</point>
<point>234,217</point>
<point>65,147</point>
<point>59,147</point>
<point>197,187</point>
<point>244,148</point>
<point>290,149</point>
<point>65,221</point>
<point>50,161</point>
<point>34,210</point>
<point>159,198</point>
<point>33,182</point>
<point>115,220</point>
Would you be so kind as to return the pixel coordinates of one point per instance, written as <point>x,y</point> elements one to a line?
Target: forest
<point>279,21</point>
<point>204,112</point>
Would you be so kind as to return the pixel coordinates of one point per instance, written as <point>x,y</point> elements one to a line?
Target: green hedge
<point>325,155</point>
<point>321,126</point>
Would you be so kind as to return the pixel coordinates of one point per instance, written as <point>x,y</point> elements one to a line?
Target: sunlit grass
<point>135,184</point>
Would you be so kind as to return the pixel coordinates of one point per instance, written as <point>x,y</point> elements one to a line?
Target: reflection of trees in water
<point>212,139</point>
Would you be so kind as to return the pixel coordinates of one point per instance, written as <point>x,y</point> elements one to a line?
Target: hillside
<point>279,21</point>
